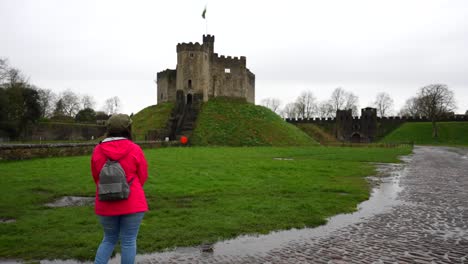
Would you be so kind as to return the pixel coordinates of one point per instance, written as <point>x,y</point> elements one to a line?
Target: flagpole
<point>206,20</point>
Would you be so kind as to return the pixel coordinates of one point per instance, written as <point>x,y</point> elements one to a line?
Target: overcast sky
<point>115,48</point>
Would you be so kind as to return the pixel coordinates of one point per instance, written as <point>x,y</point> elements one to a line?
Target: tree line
<point>306,105</point>
<point>434,101</point>
<point>23,103</point>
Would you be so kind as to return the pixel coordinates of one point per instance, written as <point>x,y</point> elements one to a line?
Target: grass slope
<point>450,133</point>
<point>151,118</point>
<point>232,122</point>
<point>196,195</point>
<point>318,133</point>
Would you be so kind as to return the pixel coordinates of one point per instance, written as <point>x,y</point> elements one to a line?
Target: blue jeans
<point>125,226</point>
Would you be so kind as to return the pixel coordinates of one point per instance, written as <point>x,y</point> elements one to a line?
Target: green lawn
<point>196,195</point>
<point>450,133</point>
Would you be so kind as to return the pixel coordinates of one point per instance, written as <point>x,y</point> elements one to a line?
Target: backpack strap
<point>130,182</point>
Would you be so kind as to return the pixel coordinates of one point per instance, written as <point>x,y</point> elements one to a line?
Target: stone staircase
<point>186,123</point>
<point>183,119</point>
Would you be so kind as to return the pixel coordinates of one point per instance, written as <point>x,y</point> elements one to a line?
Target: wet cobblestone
<point>429,225</point>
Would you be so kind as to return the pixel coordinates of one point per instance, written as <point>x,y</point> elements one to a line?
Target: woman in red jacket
<point>123,217</point>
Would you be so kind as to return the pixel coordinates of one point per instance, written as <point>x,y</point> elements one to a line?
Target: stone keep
<point>201,73</point>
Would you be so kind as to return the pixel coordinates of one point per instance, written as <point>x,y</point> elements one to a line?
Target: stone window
<point>190,84</point>
<point>227,70</point>
<point>191,55</point>
<point>162,96</point>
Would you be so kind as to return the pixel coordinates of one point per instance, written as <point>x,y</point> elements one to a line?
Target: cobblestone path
<point>428,224</point>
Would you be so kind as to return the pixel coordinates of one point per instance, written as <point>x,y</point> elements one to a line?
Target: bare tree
<point>47,100</point>
<point>87,101</point>
<point>70,102</point>
<point>410,108</point>
<point>341,100</point>
<point>289,111</point>
<point>272,103</point>
<point>112,105</point>
<point>435,101</point>
<point>383,103</point>
<point>325,110</point>
<point>11,77</point>
<point>3,70</point>
<point>352,102</point>
<point>15,78</point>
<point>337,100</point>
<point>306,104</point>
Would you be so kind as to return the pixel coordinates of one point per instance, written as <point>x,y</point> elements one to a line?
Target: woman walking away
<point>119,170</point>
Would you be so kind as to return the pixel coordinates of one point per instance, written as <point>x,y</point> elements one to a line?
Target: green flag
<point>204,13</point>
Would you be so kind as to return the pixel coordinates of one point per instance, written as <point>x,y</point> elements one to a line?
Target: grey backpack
<point>113,185</point>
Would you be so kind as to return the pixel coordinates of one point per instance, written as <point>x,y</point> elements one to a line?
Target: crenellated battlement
<point>230,61</point>
<point>208,38</point>
<point>310,120</point>
<point>167,73</point>
<point>190,47</point>
<point>454,118</point>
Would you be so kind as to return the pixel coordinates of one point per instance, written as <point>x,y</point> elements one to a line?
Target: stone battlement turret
<point>230,61</point>
<point>208,38</point>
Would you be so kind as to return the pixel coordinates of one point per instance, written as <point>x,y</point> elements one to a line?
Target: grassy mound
<point>151,118</point>
<point>450,133</point>
<point>318,133</point>
<point>234,122</point>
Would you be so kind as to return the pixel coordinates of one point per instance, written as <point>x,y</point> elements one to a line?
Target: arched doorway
<point>189,99</point>
<point>355,138</point>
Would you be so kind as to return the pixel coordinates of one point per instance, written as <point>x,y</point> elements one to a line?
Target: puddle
<point>283,158</point>
<point>68,201</point>
<point>7,221</point>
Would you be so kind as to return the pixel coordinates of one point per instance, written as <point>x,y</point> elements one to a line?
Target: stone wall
<point>367,127</point>
<point>166,81</point>
<point>63,131</point>
<point>231,78</point>
<point>392,119</point>
<point>29,151</point>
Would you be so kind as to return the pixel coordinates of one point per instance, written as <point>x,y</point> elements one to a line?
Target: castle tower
<point>193,68</point>
<point>369,123</point>
<point>344,124</point>
<point>208,43</point>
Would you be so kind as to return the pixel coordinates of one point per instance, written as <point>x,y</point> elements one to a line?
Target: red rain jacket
<point>134,164</point>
